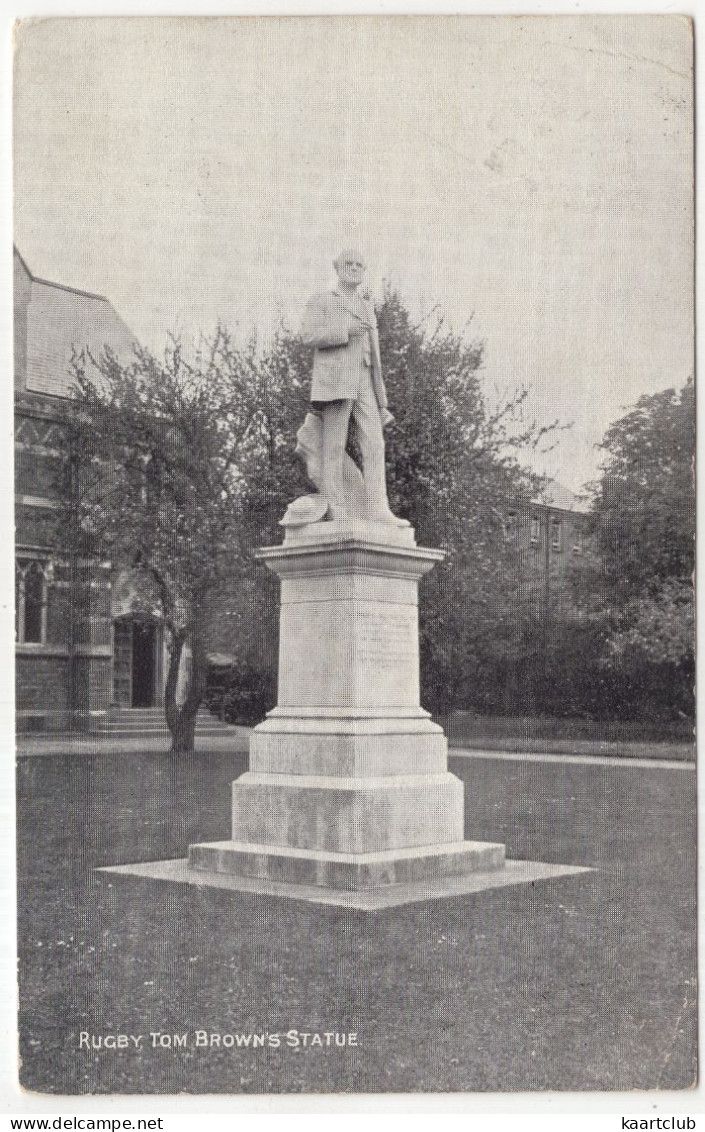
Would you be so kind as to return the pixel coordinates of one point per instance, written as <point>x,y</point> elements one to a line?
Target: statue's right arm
<point>323,327</point>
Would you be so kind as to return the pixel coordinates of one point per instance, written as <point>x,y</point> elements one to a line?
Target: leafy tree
<point>155,450</point>
<point>452,470</point>
<point>644,528</point>
<point>645,506</point>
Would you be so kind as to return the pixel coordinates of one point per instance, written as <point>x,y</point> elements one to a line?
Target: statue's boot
<point>377,509</point>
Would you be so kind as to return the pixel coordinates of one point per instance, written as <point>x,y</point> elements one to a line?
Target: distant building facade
<point>551,535</point>
<point>84,640</point>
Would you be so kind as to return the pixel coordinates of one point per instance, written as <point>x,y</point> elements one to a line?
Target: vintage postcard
<point>354,439</point>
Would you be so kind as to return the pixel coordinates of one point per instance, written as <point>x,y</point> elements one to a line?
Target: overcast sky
<point>532,172</point>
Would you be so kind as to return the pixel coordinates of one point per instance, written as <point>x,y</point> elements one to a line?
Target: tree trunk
<point>176,648</point>
<point>181,719</point>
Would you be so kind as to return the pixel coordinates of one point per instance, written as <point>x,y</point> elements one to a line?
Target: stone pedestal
<point>348,786</point>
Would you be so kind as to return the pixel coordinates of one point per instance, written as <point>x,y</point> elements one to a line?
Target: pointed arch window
<point>32,578</point>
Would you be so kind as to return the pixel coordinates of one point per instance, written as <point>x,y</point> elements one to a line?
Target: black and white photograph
<point>354,490</point>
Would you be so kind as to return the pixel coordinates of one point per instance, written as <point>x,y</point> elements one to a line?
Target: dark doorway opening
<point>144,640</point>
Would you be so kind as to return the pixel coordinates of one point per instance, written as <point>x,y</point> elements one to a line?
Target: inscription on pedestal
<point>392,641</point>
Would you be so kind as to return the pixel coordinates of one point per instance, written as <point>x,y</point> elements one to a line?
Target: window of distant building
<point>509,526</point>
<point>577,540</point>
<point>535,531</point>
<point>555,534</point>
<point>31,592</point>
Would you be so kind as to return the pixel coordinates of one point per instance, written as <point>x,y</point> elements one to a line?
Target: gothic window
<point>31,591</point>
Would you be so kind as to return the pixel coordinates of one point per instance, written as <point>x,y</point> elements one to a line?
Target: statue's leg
<point>336,421</point>
<point>368,423</point>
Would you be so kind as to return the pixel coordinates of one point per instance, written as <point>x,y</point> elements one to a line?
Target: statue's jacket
<point>340,360</point>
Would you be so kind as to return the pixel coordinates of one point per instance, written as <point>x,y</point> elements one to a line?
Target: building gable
<point>51,320</point>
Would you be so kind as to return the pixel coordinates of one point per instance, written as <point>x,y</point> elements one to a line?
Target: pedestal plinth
<point>348,786</point>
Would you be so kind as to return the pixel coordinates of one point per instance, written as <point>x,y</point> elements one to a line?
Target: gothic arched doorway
<point>136,663</point>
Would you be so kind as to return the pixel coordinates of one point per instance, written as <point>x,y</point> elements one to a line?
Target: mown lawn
<point>671,741</point>
<point>585,982</point>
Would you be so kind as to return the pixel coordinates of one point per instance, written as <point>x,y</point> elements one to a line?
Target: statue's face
<point>350,267</point>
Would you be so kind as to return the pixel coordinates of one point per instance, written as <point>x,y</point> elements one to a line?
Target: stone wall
<point>42,690</point>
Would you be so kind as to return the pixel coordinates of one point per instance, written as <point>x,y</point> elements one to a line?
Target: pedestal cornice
<point>349,555</point>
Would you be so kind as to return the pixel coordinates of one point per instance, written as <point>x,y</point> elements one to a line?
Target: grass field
<point>673,741</point>
<point>586,982</point>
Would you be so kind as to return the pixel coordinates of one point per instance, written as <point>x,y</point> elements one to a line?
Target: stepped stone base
<point>348,800</point>
<point>349,872</point>
<point>348,788</point>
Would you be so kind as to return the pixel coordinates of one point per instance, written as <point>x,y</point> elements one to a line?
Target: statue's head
<point>350,266</point>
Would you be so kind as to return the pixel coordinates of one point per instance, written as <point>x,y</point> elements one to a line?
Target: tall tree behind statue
<point>644,530</point>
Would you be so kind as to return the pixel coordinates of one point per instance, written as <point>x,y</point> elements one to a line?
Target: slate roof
<point>57,319</point>
<point>554,494</point>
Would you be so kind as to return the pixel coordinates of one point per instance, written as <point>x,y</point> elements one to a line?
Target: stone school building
<point>74,660</point>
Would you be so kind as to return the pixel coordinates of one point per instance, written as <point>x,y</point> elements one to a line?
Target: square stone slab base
<point>514,872</point>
